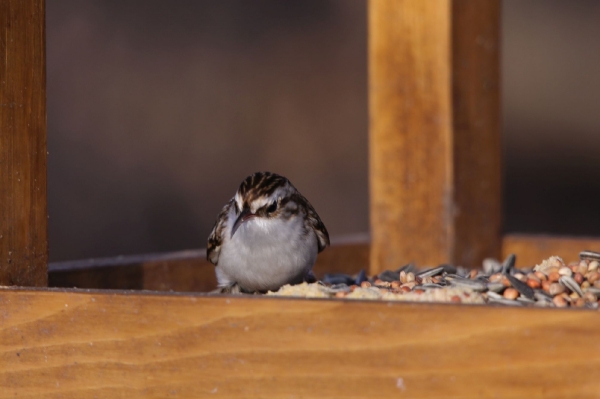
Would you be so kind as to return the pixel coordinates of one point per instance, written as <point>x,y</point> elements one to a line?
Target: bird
<point>266,236</point>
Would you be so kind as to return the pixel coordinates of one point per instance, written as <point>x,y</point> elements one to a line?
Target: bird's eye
<point>272,208</point>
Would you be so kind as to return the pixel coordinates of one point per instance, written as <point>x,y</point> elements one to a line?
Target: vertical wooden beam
<point>434,132</point>
<point>23,209</point>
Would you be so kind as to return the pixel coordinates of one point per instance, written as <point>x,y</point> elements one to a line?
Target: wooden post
<point>23,209</point>
<point>434,132</point>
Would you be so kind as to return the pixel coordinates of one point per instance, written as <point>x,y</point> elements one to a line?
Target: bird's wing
<point>317,226</point>
<point>215,239</point>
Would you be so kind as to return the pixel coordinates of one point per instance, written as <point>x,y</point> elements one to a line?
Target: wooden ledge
<point>531,249</point>
<point>74,343</point>
<point>187,271</point>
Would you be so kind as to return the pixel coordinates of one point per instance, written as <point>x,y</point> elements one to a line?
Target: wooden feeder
<point>435,185</point>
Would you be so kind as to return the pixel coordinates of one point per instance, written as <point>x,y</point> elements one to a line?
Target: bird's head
<point>264,195</point>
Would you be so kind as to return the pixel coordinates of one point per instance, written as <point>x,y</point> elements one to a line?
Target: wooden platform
<point>435,185</point>
<point>98,344</point>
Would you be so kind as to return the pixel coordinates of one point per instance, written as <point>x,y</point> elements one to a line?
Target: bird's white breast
<point>266,253</point>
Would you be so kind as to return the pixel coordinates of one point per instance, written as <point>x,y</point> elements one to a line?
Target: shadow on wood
<point>184,271</point>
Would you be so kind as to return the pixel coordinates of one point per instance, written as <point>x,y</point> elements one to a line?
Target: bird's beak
<point>244,215</point>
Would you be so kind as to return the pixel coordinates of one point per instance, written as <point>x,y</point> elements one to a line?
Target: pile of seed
<point>551,283</point>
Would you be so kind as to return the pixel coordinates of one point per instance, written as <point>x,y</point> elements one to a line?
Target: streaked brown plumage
<point>266,236</point>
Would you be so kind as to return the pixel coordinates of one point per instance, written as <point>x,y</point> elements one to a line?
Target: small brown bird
<point>266,236</point>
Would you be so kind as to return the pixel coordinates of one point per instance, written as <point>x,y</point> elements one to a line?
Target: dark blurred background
<point>158,109</point>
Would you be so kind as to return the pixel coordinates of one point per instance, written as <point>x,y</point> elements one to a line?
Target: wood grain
<point>532,249</point>
<point>434,132</point>
<point>184,271</point>
<point>23,211</point>
<point>176,271</point>
<point>118,345</point>
<point>476,131</point>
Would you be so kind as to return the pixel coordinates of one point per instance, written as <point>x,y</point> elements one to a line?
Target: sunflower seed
<point>525,300</point>
<point>475,285</point>
<point>448,268</point>
<point>338,278</point>
<point>339,288</point>
<point>462,271</point>
<point>389,276</point>
<point>571,284</point>
<point>406,268</point>
<point>360,277</point>
<point>593,290</point>
<point>541,296</point>
<point>509,263</point>
<point>431,272</point>
<point>492,294</point>
<point>589,255</point>
<point>495,287</point>
<point>432,286</point>
<point>505,301</point>
<point>520,286</point>
<point>491,266</point>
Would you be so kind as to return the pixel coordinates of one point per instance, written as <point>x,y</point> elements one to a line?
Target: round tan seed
<point>403,277</point>
<point>585,285</point>
<point>578,277</point>
<point>410,277</point>
<point>593,277</point>
<point>566,297</point>
<point>593,266</point>
<point>395,284</point>
<point>553,277</point>
<point>589,297</point>
<point>456,298</point>
<point>574,295</point>
<point>559,302</point>
<point>565,271</point>
<point>579,303</point>
<point>556,289</point>
<point>541,276</point>
<point>520,277</point>
<point>546,285</point>
<point>511,293</point>
<point>340,294</point>
<point>574,267</point>
<point>534,283</point>
<point>365,284</point>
